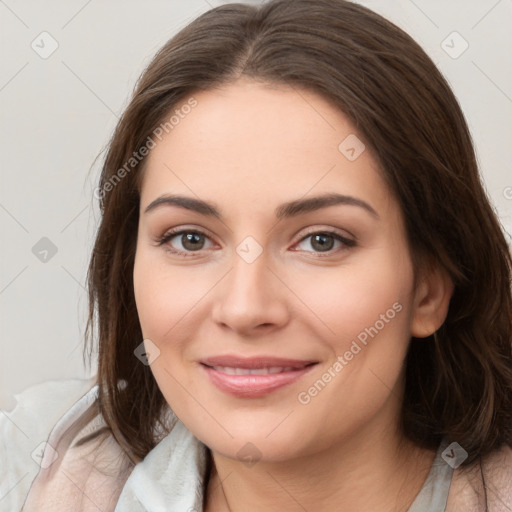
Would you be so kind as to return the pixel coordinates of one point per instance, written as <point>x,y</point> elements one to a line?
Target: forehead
<point>264,143</point>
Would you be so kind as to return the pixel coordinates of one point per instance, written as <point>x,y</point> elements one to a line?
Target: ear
<point>431,301</point>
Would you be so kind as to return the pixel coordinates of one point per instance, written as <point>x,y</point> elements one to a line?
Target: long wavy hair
<point>458,381</point>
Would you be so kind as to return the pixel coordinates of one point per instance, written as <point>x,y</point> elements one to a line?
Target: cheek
<point>365,314</point>
<point>172,305</point>
<point>368,314</point>
<point>151,294</point>
<point>351,299</point>
<point>164,294</point>
<point>165,299</point>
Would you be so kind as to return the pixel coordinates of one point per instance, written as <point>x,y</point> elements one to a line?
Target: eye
<point>188,241</point>
<point>324,241</point>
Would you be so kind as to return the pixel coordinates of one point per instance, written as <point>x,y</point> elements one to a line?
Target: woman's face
<point>270,274</point>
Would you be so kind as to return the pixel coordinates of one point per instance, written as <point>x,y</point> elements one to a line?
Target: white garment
<point>172,475</point>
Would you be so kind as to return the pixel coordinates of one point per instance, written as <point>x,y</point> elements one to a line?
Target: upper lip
<point>233,361</point>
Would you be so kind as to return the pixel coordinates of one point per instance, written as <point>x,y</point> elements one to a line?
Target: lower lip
<point>253,386</point>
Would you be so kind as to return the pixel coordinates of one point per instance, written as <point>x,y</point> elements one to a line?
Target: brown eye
<point>184,241</point>
<point>192,241</point>
<point>325,242</point>
<point>322,242</point>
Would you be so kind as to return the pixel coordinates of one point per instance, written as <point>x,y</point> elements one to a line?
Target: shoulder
<point>25,430</point>
<point>497,473</point>
<point>484,486</point>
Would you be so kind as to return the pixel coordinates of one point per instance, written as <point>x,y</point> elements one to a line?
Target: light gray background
<point>58,113</point>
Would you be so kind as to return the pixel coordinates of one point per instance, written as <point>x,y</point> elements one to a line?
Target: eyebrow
<point>286,210</point>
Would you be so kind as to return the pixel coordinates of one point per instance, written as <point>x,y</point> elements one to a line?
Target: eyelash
<point>169,235</point>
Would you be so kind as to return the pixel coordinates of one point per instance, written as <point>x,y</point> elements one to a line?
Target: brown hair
<point>459,381</point>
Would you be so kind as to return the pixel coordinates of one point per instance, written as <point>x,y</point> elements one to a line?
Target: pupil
<point>190,240</point>
<point>321,240</point>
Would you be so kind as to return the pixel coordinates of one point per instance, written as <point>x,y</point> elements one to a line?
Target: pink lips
<point>253,377</point>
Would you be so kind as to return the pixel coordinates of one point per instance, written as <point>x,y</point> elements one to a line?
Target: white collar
<point>170,478</point>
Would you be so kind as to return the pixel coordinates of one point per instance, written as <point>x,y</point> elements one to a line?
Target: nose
<point>251,299</point>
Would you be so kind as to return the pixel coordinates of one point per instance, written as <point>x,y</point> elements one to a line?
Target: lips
<point>256,376</point>
<point>252,371</point>
<point>259,362</point>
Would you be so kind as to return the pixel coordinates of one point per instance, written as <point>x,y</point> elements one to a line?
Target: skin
<point>248,147</point>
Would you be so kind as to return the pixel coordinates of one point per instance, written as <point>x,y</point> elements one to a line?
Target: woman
<point>303,294</point>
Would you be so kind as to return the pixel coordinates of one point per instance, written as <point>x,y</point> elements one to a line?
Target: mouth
<point>253,371</point>
<point>254,377</point>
